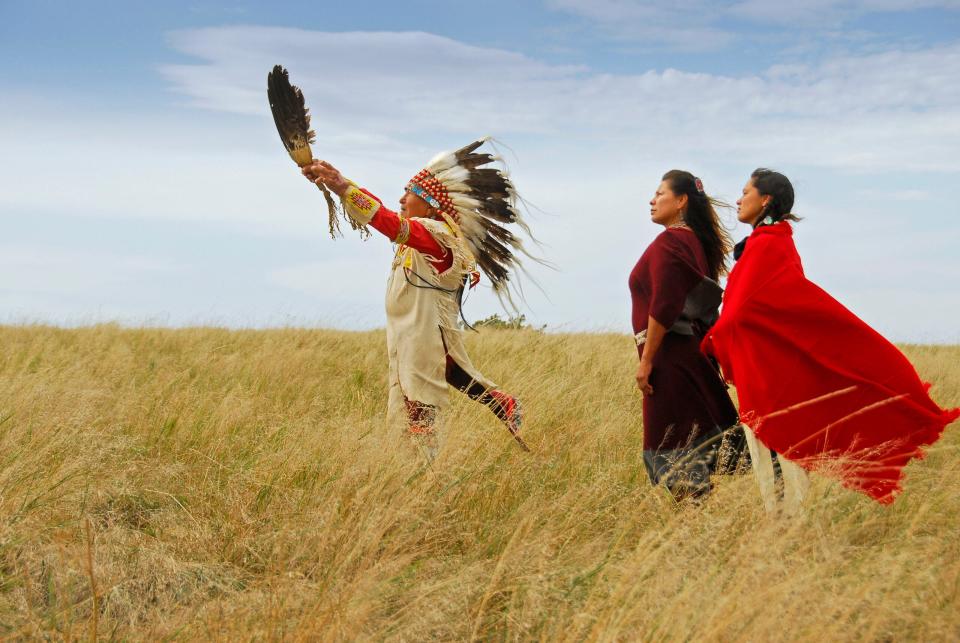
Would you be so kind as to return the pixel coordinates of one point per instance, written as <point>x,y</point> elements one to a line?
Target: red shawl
<point>815,383</point>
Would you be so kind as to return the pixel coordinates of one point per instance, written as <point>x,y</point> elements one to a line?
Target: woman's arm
<point>655,334</point>
<point>673,273</point>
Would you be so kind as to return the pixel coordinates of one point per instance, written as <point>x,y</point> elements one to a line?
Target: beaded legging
<point>422,416</point>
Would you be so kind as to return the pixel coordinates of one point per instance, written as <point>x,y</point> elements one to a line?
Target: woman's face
<point>750,204</point>
<point>666,208</point>
<point>412,206</point>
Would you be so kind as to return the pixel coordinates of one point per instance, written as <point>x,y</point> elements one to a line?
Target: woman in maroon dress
<point>675,297</point>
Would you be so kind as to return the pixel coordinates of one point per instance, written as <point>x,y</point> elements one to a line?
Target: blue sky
<point>142,179</point>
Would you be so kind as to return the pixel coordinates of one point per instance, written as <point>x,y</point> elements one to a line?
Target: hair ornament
<point>697,182</point>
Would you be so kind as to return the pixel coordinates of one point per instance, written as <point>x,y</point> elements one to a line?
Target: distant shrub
<point>511,322</point>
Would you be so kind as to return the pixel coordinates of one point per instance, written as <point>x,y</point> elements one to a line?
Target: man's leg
<point>505,407</point>
<point>421,427</point>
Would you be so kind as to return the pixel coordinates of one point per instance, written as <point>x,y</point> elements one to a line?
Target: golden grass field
<point>243,485</point>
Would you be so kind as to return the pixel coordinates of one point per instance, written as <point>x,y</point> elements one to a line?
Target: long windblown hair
<point>701,216</point>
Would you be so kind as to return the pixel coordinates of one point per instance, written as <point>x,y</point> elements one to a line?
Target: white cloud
<point>592,145</point>
<point>702,25</point>
<point>333,277</point>
<point>374,77</point>
<point>891,110</point>
<point>818,13</point>
<point>46,269</point>
<point>906,195</point>
<point>590,148</point>
<point>681,24</point>
<point>71,285</point>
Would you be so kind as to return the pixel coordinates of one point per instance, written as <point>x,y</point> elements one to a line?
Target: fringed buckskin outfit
<point>471,205</point>
<point>435,258</point>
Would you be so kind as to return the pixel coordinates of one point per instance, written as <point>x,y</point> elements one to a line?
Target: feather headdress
<point>479,202</point>
<point>293,123</point>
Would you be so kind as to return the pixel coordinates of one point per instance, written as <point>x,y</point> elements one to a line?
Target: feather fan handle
<point>292,118</point>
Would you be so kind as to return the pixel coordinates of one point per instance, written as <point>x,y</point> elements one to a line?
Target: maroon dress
<point>689,410</point>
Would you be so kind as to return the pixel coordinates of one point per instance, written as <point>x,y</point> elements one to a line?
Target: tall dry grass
<point>239,485</point>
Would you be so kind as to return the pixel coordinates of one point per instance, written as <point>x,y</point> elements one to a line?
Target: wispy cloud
<point>820,13</point>
<point>686,25</point>
<point>894,109</point>
<point>76,270</point>
<point>703,25</point>
<point>591,147</point>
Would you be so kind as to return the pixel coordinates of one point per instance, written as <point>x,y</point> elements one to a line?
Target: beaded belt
<point>641,337</point>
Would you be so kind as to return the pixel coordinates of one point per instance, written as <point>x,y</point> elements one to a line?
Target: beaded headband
<point>426,186</point>
<point>415,189</point>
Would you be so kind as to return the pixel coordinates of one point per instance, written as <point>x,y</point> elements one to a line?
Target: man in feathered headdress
<point>451,221</point>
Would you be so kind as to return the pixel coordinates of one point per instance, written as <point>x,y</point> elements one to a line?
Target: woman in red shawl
<point>675,298</point>
<point>815,383</point>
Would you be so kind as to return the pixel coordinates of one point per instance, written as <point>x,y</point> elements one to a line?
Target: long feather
<point>464,151</point>
<point>290,115</point>
<point>292,118</point>
<point>472,161</point>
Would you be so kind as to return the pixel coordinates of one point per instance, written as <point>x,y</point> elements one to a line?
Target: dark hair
<point>701,216</point>
<point>777,186</point>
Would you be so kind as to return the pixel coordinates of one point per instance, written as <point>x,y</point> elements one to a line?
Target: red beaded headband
<point>426,186</point>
